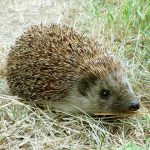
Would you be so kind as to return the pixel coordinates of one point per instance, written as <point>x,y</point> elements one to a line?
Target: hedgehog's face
<point>109,95</point>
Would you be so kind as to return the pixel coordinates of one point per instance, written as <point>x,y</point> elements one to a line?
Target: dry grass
<point>124,27</point>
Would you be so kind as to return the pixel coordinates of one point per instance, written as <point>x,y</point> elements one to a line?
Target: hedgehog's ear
<point>85,83</point>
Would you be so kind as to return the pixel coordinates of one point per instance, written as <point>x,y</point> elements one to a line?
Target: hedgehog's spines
<point>51,59</point>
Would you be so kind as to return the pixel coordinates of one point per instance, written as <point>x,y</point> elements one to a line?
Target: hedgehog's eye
<point>104,93</point>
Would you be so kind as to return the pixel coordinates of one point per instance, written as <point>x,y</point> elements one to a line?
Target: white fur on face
<point>91,103</point>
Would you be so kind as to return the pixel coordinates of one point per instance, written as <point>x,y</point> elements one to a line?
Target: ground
<point>123,26</point>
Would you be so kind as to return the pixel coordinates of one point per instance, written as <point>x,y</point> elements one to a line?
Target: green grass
<point>124,27</point>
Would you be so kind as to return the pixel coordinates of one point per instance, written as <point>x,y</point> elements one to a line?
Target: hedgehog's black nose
<point>135,105</point>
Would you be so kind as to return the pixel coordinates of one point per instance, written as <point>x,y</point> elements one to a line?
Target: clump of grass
<point>124,28</point>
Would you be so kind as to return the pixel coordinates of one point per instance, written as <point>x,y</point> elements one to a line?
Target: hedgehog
<point>57,66</point>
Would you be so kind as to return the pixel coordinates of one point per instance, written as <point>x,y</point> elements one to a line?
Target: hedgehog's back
<point>45,62</point>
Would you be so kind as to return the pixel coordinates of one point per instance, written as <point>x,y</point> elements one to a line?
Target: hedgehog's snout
<point>135,105</point>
